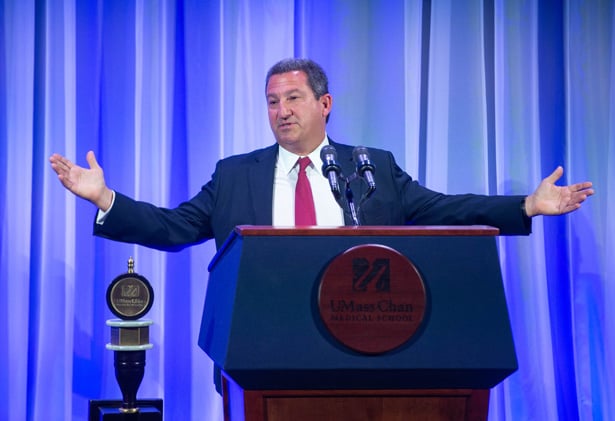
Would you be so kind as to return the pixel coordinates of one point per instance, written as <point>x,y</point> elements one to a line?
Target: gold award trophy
<point>129,297</point>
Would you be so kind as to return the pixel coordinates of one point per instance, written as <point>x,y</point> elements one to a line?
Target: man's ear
<point>327,102</point>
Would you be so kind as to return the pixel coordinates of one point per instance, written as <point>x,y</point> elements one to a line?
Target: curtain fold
<point>485,97</point>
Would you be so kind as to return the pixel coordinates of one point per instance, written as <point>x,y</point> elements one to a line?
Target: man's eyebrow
<point>289,92</point>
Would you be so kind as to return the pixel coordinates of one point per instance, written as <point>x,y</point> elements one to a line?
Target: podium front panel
<point>262,326</point>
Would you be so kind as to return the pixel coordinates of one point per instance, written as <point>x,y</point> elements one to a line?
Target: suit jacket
<point>241,193</point>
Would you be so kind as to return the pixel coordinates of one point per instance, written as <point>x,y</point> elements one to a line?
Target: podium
<point>262,326</point>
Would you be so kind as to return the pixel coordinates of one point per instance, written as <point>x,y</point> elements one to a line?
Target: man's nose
<point>285,110</point>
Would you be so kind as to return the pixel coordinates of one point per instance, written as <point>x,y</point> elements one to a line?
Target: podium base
<point>109,410</point>
<point>353,405</point>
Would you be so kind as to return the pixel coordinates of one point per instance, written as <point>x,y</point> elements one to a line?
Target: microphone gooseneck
<point>332,171</point>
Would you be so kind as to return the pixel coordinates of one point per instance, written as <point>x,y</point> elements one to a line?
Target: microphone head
<point>361,158</point>
<point>358,151</point>
<point>328,150</point>
<point>328,155</point>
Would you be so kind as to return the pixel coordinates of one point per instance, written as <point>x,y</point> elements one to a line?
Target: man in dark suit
<point>258,188</point>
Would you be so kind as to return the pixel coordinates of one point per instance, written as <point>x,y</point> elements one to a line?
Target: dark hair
<point>315,74</point>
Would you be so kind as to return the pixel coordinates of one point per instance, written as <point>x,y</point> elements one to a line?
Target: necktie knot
<point>304,163</point>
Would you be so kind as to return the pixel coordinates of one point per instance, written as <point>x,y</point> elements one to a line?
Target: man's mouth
<point>285,125</point>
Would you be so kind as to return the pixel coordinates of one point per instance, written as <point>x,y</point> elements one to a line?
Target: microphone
<point>330,168</point>
<point>365,168</point>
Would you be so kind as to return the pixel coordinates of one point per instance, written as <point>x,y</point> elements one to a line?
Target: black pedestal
<point>109,410</point>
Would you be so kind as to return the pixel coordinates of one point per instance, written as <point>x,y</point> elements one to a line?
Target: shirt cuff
<point>102,215</point>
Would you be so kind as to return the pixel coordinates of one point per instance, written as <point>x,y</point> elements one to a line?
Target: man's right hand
<point>86,183</point>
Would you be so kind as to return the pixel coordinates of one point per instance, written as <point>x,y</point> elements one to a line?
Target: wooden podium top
<point>369,230</point>
<point>355,231</point>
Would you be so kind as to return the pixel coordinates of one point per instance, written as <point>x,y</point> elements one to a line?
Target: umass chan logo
<point>372,299</point>
<point>365,272</point>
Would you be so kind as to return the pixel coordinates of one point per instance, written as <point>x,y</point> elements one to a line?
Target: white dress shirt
<point>328,212</point>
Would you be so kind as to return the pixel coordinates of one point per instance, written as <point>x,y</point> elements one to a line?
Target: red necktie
<point>304,201</point>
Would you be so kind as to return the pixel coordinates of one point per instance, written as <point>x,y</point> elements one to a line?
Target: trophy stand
<point>130,296</point>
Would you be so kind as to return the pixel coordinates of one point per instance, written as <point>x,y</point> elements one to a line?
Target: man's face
<point>296,117</point>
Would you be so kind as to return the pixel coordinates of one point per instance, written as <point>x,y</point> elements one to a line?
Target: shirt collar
<point>287,160</point>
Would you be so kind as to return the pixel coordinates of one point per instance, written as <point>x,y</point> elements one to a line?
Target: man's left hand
<point>549,199</point>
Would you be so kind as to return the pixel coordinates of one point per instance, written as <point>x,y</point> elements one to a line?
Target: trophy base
<point>109,410</point>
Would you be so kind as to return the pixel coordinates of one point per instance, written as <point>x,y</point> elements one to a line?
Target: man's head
<point>299,104</point>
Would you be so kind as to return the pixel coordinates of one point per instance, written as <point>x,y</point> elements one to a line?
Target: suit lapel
<point>261,175</point>
<point>344,157</point>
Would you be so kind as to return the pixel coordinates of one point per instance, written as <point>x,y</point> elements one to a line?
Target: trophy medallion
<point>130,296</point>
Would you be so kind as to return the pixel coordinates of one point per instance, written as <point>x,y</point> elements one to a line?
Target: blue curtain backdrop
<point>471,96</point>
